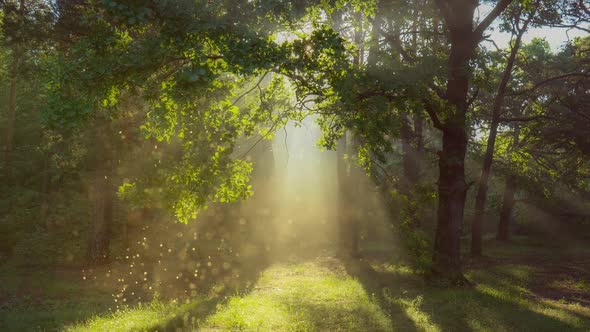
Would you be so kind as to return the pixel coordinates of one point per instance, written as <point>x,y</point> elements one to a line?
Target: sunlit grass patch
<point>572,284</point>
<point>500,300</point>
<point>413,308</point>
<point>396,269</point>
<point>575,308</point>
<point>304,297</point>
<point>139,318</point>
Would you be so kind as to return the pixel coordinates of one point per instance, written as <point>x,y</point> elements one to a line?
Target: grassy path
<point>325,294</point>
<point>510,293</point>
<point>316,295</point>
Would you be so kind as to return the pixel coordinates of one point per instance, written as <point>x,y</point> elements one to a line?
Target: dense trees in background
<point>135,104</point>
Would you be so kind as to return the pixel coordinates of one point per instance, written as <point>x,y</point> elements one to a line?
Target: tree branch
<point>446,12</point>
<point>433,116</point>
<point>483,25</point>
<point>523,118</point>
<point>549,80</point>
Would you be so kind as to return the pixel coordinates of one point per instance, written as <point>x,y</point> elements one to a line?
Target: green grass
<point>328,295</point>
<point>33,299</point>
<point>323,294</point>
<point>140,318</point>
<point>293,297</point>
<point>500,301</point>
<point>303,297</point>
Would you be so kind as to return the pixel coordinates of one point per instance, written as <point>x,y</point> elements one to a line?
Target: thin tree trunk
<point>508,199</point>
<point>11,116</point>
<point>419,133</point>
<point>347,222</point>
<point>99,240</point>
<point>507,206</point>
<point>482,190</point>
<point>98,251</point>
<point>409,161</point>
<point>44,206</point>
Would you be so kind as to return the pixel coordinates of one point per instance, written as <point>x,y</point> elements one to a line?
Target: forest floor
<point>521,286</point>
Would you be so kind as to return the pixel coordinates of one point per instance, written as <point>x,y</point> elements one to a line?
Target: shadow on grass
<point>313,295</point>
<point>498,302</point>
<point>374,282</point>
<point>44,298</point>
<point>195,313</point>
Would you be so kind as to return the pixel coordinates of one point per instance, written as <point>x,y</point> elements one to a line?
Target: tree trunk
<point>11,116</point>
<point>482,190</point>
<point>506,212</point>
<point>451,202</point>
<point>419,133</point>
<point>100,233</point>
<point>409,160</point>
<point>508,199</point>
<point>347,222</point>
<point>99,241</point>
<point>44,206</point>
<point>452,188</point>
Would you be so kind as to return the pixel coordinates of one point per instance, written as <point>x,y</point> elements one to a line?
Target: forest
<point>271,165</point>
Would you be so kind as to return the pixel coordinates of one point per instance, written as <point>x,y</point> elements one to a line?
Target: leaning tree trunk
<point>506,212</point>
<point>482,190</point>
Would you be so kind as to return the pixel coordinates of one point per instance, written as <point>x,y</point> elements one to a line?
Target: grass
<point>39,299</point>
<point>500,301</point>
<point>303,297</point>
<point>328,294</point>
<point>140,318</point>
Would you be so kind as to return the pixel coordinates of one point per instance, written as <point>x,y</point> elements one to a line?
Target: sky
<point>556,37</point>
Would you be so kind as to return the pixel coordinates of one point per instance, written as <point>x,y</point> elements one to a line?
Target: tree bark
<point>98,251</point>
<point>452,191</point>
<point>409,160</point>
<point>419,133</point>
<point>508,200</point>
<point>45,183</point>
<point>99,241</point>
<point>347,222</point>
<point>452,188</point>
<point>11,116</point>
<point>506,212</point>
<point>482,190</point>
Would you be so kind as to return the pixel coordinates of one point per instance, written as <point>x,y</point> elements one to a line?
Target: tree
<point>520,25</point>
<point>545,79</point>
<point>464,38</point>
<point>193,62</point>
<point>25,25</point>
